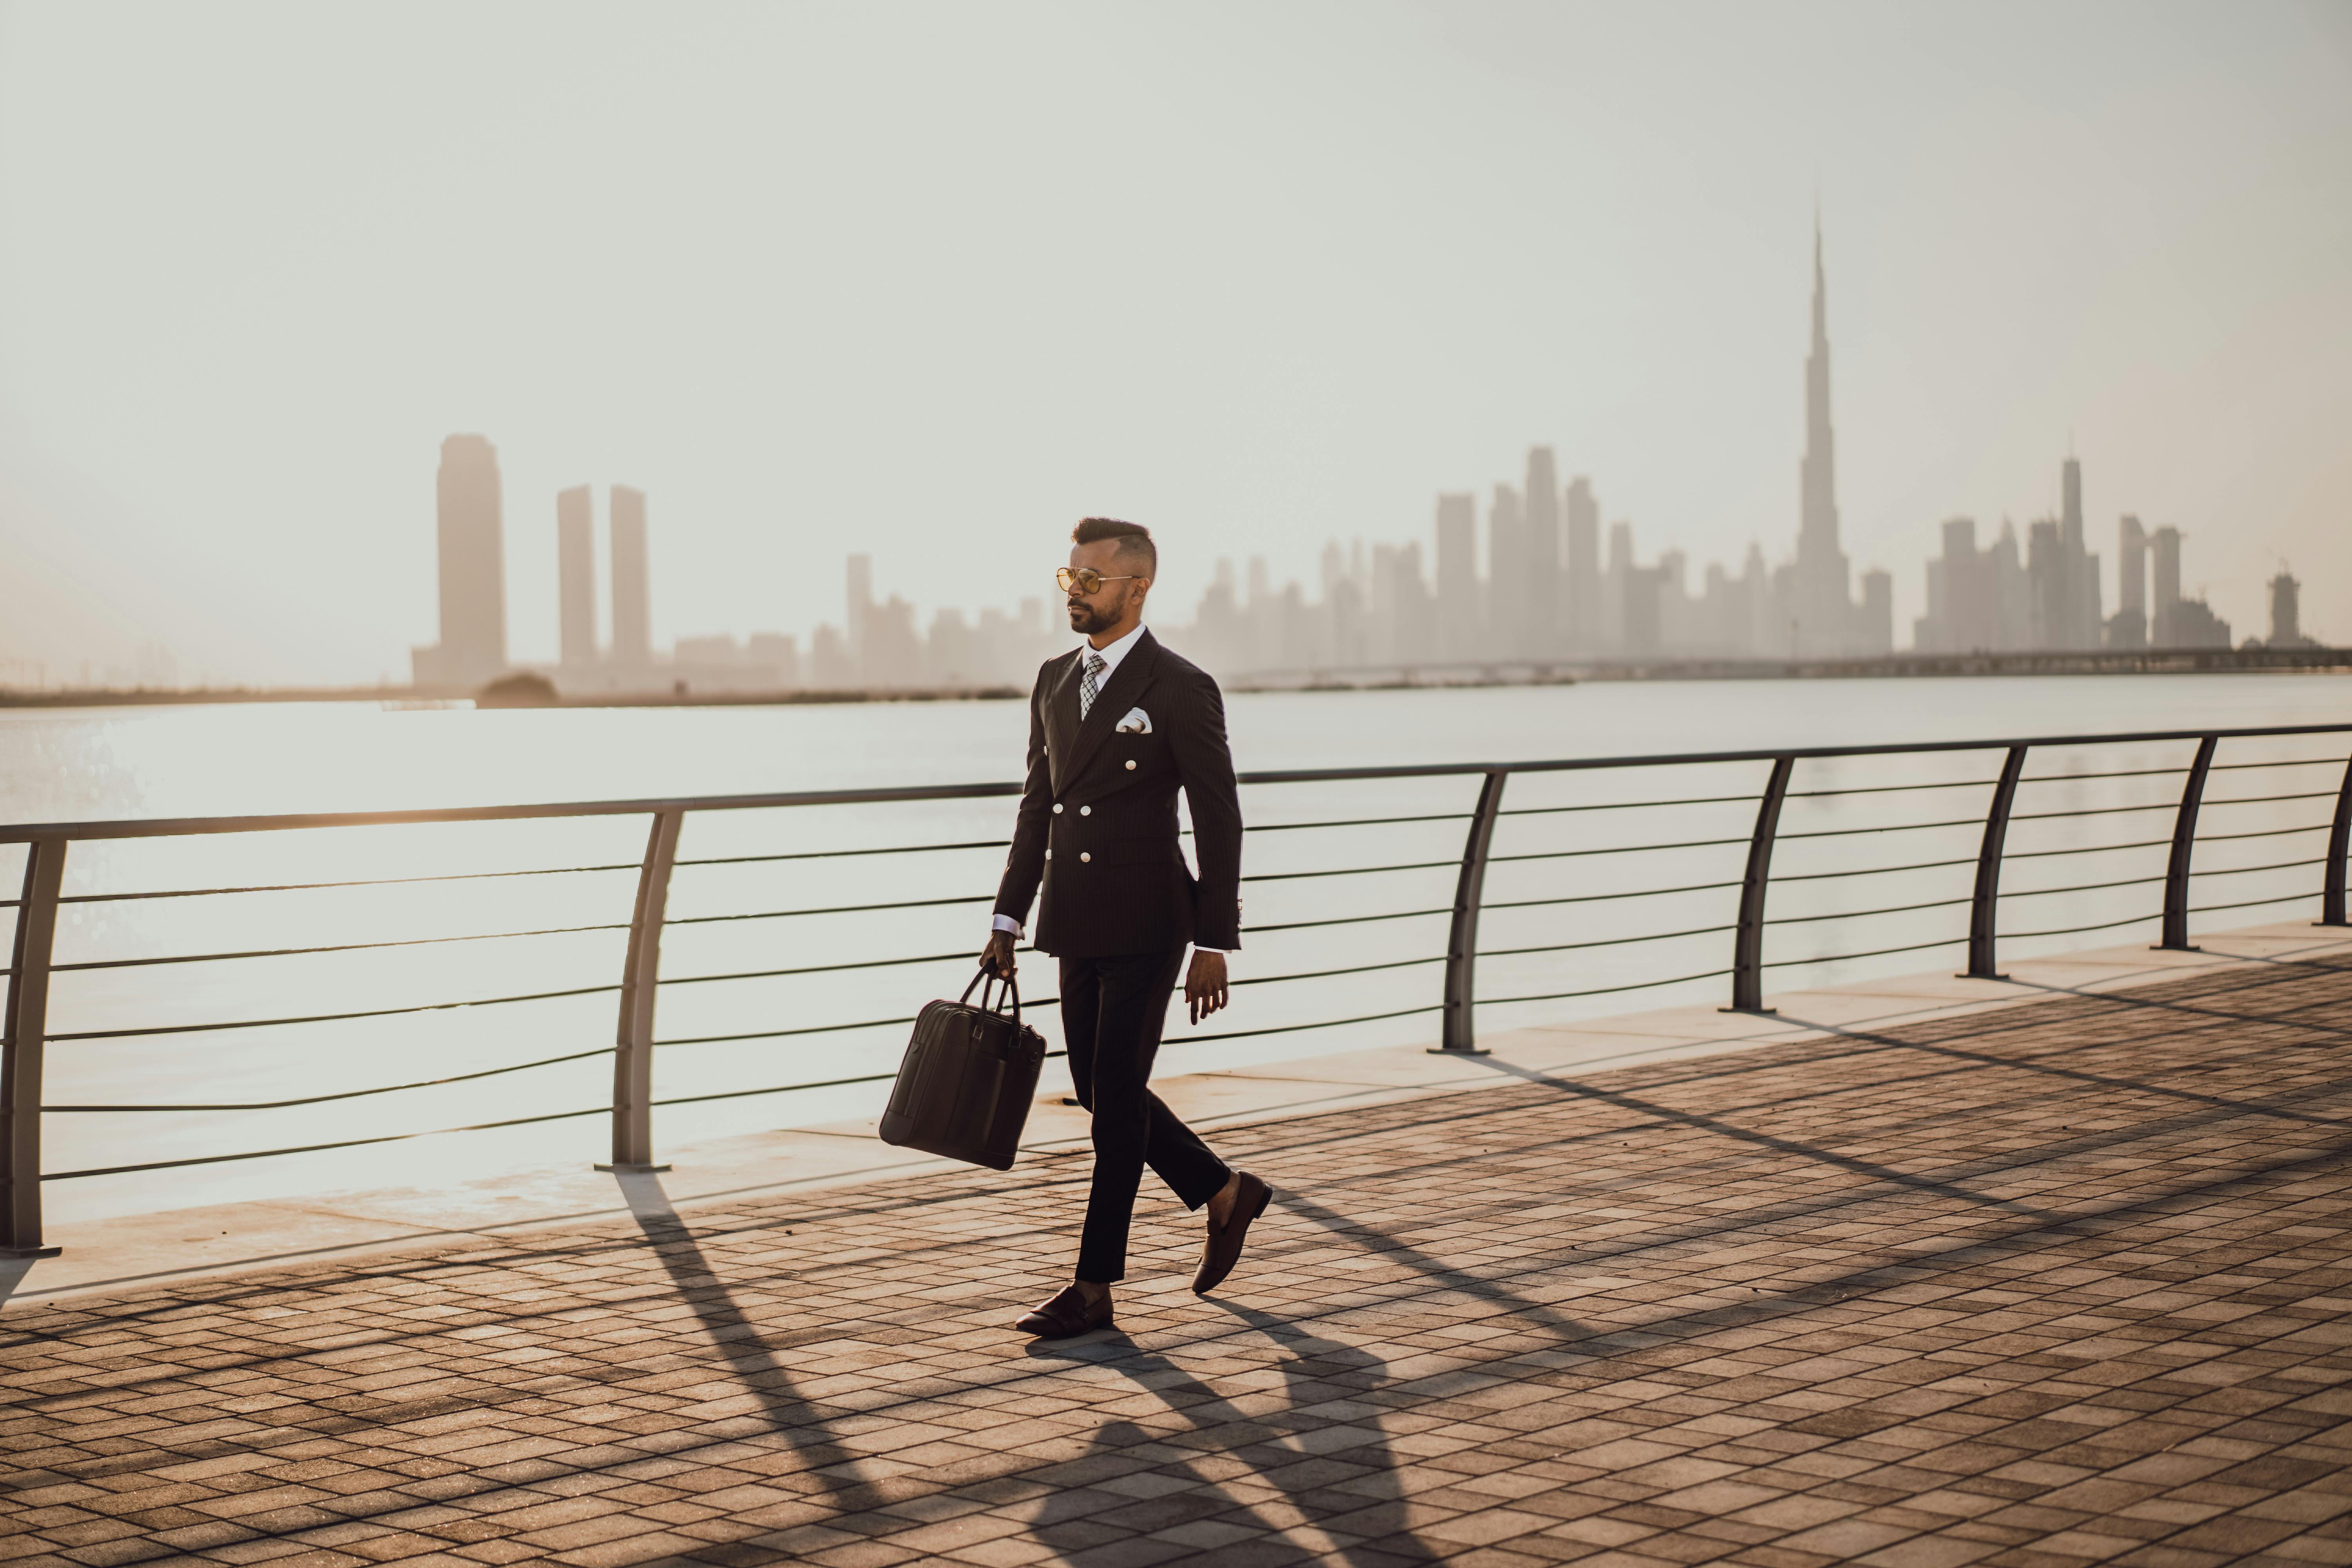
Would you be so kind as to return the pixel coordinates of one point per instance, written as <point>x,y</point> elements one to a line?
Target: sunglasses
<point>1087,580</point>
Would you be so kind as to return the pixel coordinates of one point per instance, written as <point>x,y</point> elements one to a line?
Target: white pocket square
<point>1136,722</point>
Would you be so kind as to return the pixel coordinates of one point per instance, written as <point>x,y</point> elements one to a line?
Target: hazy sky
<point>932,280</point>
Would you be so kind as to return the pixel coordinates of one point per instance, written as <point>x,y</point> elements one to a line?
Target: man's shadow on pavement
<point>1352,1492</point>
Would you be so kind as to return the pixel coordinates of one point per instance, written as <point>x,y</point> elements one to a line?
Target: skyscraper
<point>633,632</point>
<point>1457,575</point>
<point>1582,564</point>
<point>1506,574</point>
<point>1824,608</point>
<point>471,538</point>
<point>575,576</point>
<point>2287,614</point>
<point>2164,550</point>
<point>2129,626</point>
<point>1541,638</point>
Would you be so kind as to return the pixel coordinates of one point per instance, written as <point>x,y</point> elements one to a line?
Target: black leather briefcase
<point>968,1075</point>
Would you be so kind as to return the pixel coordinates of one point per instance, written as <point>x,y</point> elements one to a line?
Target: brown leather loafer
<point>1067,1314</point>
<point>1224,1246</point>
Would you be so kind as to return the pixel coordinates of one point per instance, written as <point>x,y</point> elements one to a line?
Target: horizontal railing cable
<point>321,1148</point>
<point>1300,1028</point>
<point>1613,850</point>
<point>1347,921</point>
<point>1604,989</point>
<point>1355,822</point>
<point>835,910</point>
<point>1328,973</point>
<point>1778,877</point>
<point>1450,864</point>
<point>2203,871</point>
<point>2263,833</point>
<point>1885,789</point>
<point>1874,952</point>
<point>2212,800</point>
<point>966,954</point>
<point>2093,811</point>
<point>1599,897</point>
<point>2086,850</point>
<point>336,947</point>
<point>2080,887</point>
<point>1865,914</point>
<point>346,1094</point>
<point>2077,931</point>
<point>1976,822</point>
<point>357,882</point>
<point>1627,805</point>
<point>792,1034</point>
<point>844,854</point>
<point>333,1018</point>
<point>1605,941</point>
<point>2247,904</point>
<point>2119,774</point>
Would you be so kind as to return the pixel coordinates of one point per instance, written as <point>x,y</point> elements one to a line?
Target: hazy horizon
<point>930,282</point>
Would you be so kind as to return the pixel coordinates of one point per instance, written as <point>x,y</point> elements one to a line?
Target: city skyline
<point>1383,270</point>
<point>1545,592</point>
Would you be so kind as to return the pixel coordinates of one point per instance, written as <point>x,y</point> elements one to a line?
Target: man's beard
<point>1085,620</point>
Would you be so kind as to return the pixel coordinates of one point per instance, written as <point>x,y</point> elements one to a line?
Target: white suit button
<point>1083,856</point>
<point>1131,764</point>
<point>1049,854</point>
<point>1057,808</point>
<point>1085,811</point>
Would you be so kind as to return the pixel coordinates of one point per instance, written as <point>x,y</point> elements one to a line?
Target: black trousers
<point>1112,1011</point>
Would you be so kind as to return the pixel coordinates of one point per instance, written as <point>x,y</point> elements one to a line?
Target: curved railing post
<point>2184,844</point>
<point>1461,1035</point>
<point>2339,841</point>
<point>21,1049</point>
<point>1985,907</point>
<point>633,1055</point>
<point>1747,941</point>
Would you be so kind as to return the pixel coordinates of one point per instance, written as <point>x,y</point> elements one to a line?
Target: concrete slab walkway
<point>2061,1282</point>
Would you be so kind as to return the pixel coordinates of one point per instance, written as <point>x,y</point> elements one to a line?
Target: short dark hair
<point>1134,541</point>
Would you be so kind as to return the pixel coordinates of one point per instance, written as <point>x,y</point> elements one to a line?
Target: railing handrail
<point>172,828</point>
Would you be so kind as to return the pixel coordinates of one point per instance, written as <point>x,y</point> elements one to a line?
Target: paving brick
<point>2061,1284</point>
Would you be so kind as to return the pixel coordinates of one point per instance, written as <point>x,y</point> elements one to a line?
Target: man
<point>1117,726</point>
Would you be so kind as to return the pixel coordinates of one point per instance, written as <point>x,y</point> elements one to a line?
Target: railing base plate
<point>2184,947</point>
<point>30,1251</point>
<point>1752,1012</point>
<point>1964,974</point>
<point>634,1170</point>
<point>1452,1051</point>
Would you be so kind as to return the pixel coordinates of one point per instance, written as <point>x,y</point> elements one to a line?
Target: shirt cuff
<point>1201,947</point>
<point>1005,923</point>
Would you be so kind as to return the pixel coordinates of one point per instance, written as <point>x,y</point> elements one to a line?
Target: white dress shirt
<point>1110,654</point>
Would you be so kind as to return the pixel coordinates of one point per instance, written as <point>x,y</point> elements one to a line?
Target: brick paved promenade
<point>2061,1284</point>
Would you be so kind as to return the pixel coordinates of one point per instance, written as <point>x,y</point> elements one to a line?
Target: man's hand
<point>1204,985</point>
<point>997,957</point>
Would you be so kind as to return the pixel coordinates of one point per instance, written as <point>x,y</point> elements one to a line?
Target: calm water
<point>83,765</point>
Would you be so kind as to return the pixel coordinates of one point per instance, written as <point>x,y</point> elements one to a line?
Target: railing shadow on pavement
<point>1564,875</point>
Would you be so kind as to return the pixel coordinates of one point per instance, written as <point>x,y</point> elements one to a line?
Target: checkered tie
<point>1090,683</point>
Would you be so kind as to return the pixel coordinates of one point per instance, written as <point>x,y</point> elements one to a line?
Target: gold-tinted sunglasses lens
<point>1082,579</point>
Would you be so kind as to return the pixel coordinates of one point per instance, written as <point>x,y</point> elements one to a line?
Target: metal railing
<point>27,1031</point>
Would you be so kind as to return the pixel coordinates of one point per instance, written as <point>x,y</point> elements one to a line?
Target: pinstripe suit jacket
<point>1098,823</point>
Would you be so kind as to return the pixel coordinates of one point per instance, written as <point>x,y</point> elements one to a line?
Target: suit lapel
<point>1111,703</point>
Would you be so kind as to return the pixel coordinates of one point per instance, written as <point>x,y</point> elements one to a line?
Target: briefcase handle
<point>1011,989</point>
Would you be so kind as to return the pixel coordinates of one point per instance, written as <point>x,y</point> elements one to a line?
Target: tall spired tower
<point>1824,608</point>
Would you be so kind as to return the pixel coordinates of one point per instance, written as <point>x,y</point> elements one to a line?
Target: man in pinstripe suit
<point>1117,726</point>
